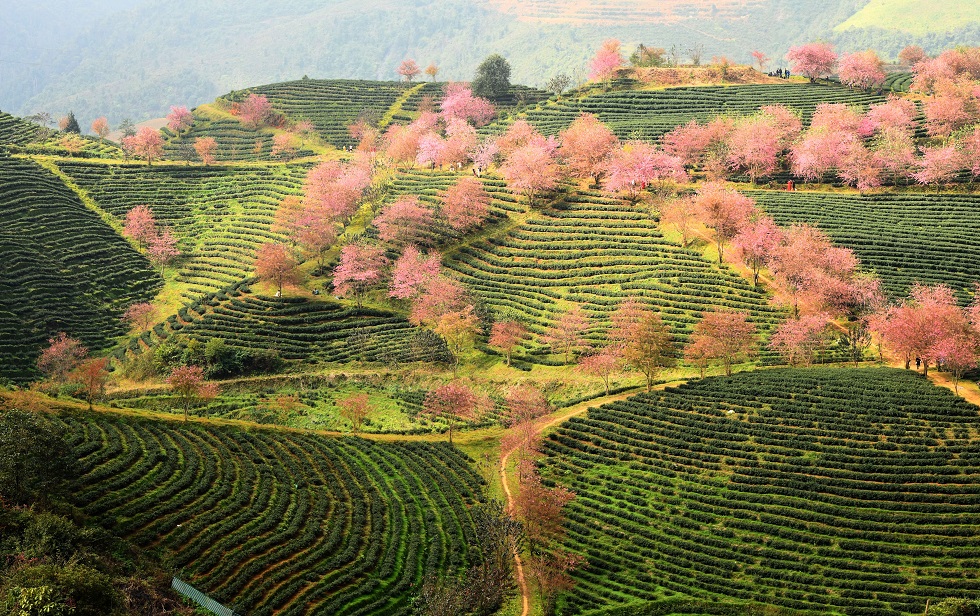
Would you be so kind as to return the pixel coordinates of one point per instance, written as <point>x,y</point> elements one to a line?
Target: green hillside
<point>852,491</point>
<point>61,269</point>
<point>648,114</point>
<point>220,214</point>
<point>929,16</point>
<point>904,238</point>
<point>281,523</point>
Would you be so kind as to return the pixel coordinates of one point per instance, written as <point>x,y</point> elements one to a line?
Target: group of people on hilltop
<point>782,73</point>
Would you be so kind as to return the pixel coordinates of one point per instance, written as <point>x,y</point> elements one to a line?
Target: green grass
<point>918,17</point>
<point>823,489</point>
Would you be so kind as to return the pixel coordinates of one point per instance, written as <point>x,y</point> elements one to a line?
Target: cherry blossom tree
<point>929,72</point>
<point>406,221</point>
<point>190,387</point>
<point>894,151</point>
<point>810,271</point>
<point>466,204</point>
<point>461,139</point>
<point>724,210</point>
<point>484,155</point>
<point>100,126</point>
<point>274,264</point>
<point>284,145</point>
<point>525,403</point>
<point>754,146</point>
<point>439,296</point>
<point>585,145</point>
<point>530,170</point>
<point>354,408</point>
<point>146,143</point>
<point>607,61</point>
<point>333,189</point>
<point>361,268</point>
<point>861,70</point>
<point>638,165</point>
<point>912,55</point>
<point>506,335</point>
<point>62,355</point>
<point>761,60</point>
<point>458,328</point>
<point>205,147</point>
<point>939,165</point>
<point>970,144</point>
<point>140,224</point>
<point>430,150</point>
<point>459,102</point>
<point>255,111</point>
<point>704,146</point>
<point>680,213</point>
<point>455,402</point>
<point>402,143</point>
<point>409,69</point>
<point>920,327</point>
<point>92,375</point>
<point>314,234</point>
<point>755,243</point>
<point>412,272</point>
<point>725,336</point>
<point>518,134</point>
<point>799,339</point>
<point>162,249</point>
<point>567,332</point>
<point>896,113</point>
<point>813,60</point>
<point>432,70</point>
<point>600,365</point>
<point>139,315</point>
<point>642,340</point>
<point>957,352</point>
<point>179,119</point>
<point>953,107</point>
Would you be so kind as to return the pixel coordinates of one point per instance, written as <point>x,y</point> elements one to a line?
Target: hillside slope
<point>61,269</point>
<point>851,491</point>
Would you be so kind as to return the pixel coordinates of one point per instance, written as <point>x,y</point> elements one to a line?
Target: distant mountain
<point>136,57</point>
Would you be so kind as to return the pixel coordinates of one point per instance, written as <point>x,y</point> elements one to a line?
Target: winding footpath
<point>540,425</point>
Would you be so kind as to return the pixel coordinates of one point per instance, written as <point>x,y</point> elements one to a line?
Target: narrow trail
<point>540,426</point>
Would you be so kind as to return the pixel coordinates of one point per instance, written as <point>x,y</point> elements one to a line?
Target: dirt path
<point>540,426</point>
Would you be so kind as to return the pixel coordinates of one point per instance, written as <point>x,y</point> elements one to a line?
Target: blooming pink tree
<point>754,146</point>
<point>100,126</point>
<point>440,295</point>
<point>953,107</point>
<point>333,189</point>
<point>517,135</point>
<point>761,60</point>
<point>811,272</point>
<point>723,335</point>
<point>939,165</point>
<point>813,60</point>
<point>957,352</point>
<point>461,139</point>
<point>284,145</point>
<point>162,249</point>
<point>638,165</point>
<point>466,204</point>
<point>756,241</point>
<point>702,146</point>
<point>912,55</point>
<point>406,221</point>
<point>929,72</point>
<point>409,69</point>
<point>140,224</point>
<point>567,332</point>
<point>724,210</point>
<point>255,111</point>
<point>274,264</point>
<point>139,315</point>
<point>190,387</point>
<point>585,145</point>
<point>484,155</point>
<point>455,402</point>
<point>146,143</point>
<point>970,144</point>
<point>431,146</point>
<point>600,365</point>
<point>921,327</point>
<point>412,272</point>
<point>506,335</point>
<point>459,102</point>
<point>861,70</point>
<point>205,146</point>
<point>799,339</point>
<point>606,62</point>
<point>62,355</point>
<point>896,113</point>
<point>530,170</point>
<point>361,268</point>
<point>680,213</point>
<point>179,119</point>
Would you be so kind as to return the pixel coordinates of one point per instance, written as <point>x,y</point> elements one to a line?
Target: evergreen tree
<point>72,125</point>
<point>492,78</point>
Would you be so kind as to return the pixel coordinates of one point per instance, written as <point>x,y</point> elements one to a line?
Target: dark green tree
<point>33,457</point>
<point>71,124</point>
<point>127,127</point>
<point>492,78</point>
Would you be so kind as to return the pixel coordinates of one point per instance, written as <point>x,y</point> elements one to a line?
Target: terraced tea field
<point>61,269</point>
<point>904,238</point>
<point>648,114</point>
<point>853,491</point>
<point>281,523</point>
<point>331,104</point>
<point>234,142</point>
<point>298,328</point>
<point>594,250</point>
<point>221,214</point>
